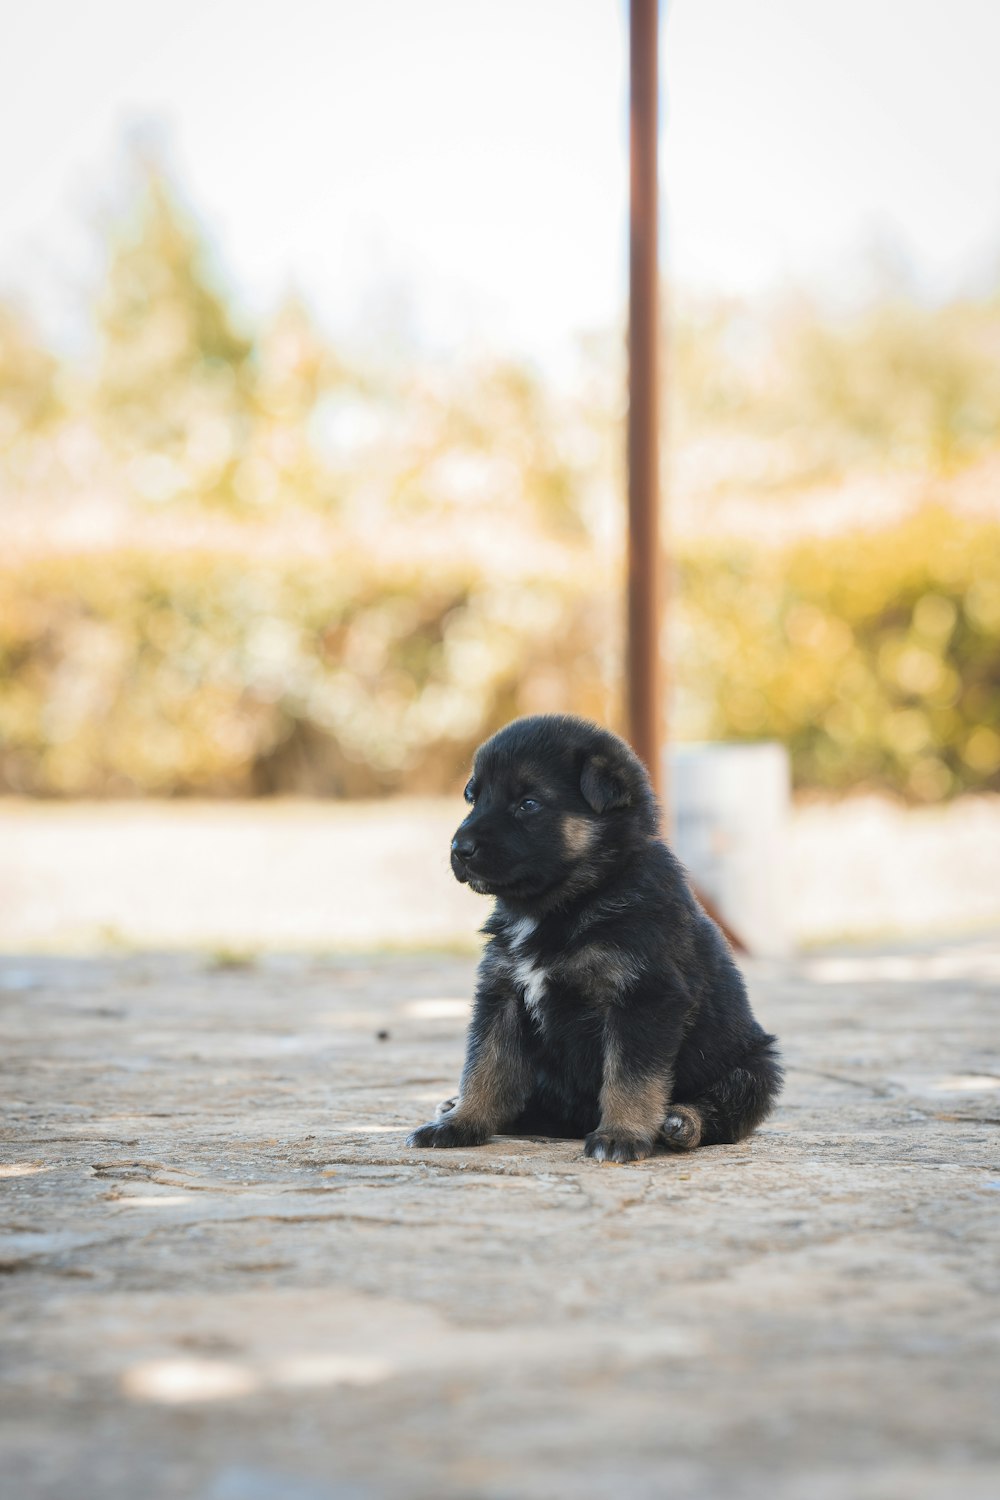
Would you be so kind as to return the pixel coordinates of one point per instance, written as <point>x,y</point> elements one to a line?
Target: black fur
<point>608,1004</point>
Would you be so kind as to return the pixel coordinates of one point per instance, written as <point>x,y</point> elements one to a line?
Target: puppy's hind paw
<point>681,1130</point>
<point>613,1145</point>
<point>445,1107</point>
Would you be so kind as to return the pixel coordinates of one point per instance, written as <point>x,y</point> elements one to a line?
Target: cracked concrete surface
<point>228,1279</point>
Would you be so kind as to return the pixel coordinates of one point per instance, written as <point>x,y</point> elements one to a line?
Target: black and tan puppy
<point>608,1005</point>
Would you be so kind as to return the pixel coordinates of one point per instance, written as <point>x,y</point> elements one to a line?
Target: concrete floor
<point>228,1279</point>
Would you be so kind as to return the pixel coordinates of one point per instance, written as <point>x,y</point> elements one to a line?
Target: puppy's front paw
<point>448,1131</point>
<point>615,1145</point>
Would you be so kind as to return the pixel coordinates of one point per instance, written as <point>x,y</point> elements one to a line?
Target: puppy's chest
<point>544,979</point>
<point>534,978</point>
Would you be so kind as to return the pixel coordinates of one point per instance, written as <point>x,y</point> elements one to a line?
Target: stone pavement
<point>228,1279</point>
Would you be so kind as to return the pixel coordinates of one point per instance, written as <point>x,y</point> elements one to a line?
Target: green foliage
<point>875,656</point>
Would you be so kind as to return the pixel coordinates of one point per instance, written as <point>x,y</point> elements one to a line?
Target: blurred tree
<point>176,378</point>
<point>490,441</point>
<point>296,371</point>
<point>28,375</point>
<point>798,393</point>
<point>912,384</point>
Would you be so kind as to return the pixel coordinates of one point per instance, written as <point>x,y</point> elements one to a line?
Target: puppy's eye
<point>528,805</point>
<point>470,793</point>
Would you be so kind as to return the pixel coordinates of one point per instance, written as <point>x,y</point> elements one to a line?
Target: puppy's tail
<point>733,1107</point>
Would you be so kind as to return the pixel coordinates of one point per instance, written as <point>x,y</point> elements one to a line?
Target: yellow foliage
<point>190,672</point>
<point>875,656</point>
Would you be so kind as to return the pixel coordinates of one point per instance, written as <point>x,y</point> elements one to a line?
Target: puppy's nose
<point>464,845</point>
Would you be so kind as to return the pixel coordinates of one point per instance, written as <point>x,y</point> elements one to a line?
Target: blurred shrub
<point>188,672</point>
<point>874,656</point>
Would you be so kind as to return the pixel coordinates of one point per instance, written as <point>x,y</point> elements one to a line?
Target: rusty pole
<point>643,657</point>
<point>645,722</point>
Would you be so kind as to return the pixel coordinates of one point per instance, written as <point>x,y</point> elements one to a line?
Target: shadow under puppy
<point>608,1004</point>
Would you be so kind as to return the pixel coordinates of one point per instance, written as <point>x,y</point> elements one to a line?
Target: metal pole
<point>645,721</point>
<point>643,663</point>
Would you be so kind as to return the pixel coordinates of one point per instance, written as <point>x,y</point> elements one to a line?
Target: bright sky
<point>470,155</point>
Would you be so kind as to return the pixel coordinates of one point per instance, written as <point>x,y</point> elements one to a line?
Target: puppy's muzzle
<point>463,849</point>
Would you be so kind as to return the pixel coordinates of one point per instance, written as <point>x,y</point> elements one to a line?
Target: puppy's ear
<point>603,784</point>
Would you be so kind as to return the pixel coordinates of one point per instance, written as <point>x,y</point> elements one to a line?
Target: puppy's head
<point>555,803</point>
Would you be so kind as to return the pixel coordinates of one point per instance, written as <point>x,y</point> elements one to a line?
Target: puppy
<point>608,1005</point>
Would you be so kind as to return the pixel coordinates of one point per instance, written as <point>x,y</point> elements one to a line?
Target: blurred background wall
<point>312,387</point>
